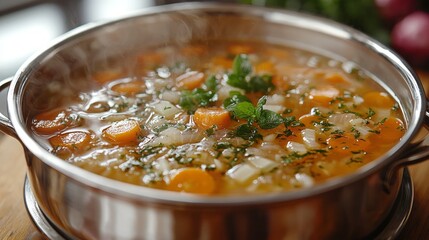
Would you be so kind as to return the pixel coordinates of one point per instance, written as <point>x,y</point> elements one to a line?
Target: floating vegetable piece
<point>192,180</point>
<point>123,132</point>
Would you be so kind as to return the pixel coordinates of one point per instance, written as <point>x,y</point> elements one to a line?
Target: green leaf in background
<point>359,14</point>
<point>241,65</point>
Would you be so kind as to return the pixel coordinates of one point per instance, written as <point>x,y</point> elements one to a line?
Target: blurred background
<point>28,25</point>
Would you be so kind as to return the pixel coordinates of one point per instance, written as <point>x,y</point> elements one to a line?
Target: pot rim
<point>125,190</point>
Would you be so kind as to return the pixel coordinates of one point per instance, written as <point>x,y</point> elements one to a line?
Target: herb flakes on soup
<point>225,118</point>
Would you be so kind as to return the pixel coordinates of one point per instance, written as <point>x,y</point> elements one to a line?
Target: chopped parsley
<point>266,119</point>
<point>247,132</point>
<point>199,97</point>
<point>370,113</point>
<point>240,77</point>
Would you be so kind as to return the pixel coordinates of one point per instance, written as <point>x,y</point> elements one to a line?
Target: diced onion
<point>155,121</point>
<point>357,100</point>
<point>296,147</point>
<point>173,136</point>
<point>380,114</point>
<point>170,132</point>
<point>275,99</point>
<point>264,164</point>
<point>253,151</point>
<point>270,137</point>
<point>219,165</point>
<point>341,120</point>
<point>274,108</point>
<point>243,172</point>
<point>170,96</point>
<point>166,109</point>
<point>163,165</point>
<point>363,130</point>
<point>223,92</point>
<point>359,125</point>
<point>309,138</point>
<point>358,122</point>
<point>304,179</point>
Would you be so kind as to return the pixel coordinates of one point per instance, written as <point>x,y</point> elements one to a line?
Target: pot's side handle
<point>419,152</point>
<point>5,124</point>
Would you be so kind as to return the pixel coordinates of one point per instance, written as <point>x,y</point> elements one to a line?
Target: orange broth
<point>225,118</point>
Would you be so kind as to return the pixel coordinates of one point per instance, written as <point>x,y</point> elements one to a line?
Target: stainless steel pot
<point>89,206</point>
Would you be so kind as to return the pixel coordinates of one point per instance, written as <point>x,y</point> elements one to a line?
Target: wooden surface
<point>16,224</point>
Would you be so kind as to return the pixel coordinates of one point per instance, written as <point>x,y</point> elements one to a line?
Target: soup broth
<point>224,118</point>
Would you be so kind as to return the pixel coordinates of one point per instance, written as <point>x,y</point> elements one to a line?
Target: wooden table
<point>16,224</point>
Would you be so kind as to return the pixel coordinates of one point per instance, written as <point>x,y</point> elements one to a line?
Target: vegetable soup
<point>224,118</point>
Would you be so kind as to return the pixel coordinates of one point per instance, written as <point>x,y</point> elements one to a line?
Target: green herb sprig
<point>199,97</point>
<point>266,119</point>
<point>241,77</point>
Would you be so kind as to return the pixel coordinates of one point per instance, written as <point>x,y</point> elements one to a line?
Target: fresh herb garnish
<point>356,133</point>
<point>370,113</point>
<point>247,132</point>
<point>240,77</point>
<point>199,97</point>
<point>292,122</point>
<point>234,98</point>
<point>266,119</point>
<point>238,152</point>
<point>338,132</point>
<point>290,158</point>
<point>211,131</point>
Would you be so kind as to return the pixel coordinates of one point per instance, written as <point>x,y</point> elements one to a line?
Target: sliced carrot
<point>236,49</point>
<point>150,59</point>
<point>76,141</point>
<point>324,94</point>
<point>123,132</point>
<point>190,80</point>
<point>129,88</point>
<point>335,78</point>
<point>391,130</point>
<point>265,67</point>
<point>279,53</point>
<point>106,76</point>
<point>378,99</point>
<point>206,118</point>
<point>52,121</point>
<point>347,143</point>
<point>223,62</point>
<point>194,50</point>
<point>192,180</point>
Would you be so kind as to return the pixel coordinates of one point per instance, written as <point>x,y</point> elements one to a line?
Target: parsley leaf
<point>211,83</point>
<point>199,97</point>
<point>235,97</point>
<point>370,113</point>
<point>244,110</point>
<point>191,100</point>
<point>262,84</point>
<point>247,132</point>
<point>241,65</point>
<point>269,119</point>
<point>266,119</point>
<point>237,81</point>
<point>241,78</point>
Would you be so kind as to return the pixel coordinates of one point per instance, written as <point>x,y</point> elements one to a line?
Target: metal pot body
<point>350,212</point>
<point>88,206</point>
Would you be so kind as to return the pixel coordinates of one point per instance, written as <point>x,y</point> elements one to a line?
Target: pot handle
<point>5,123</point>
<point>418,152</point>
